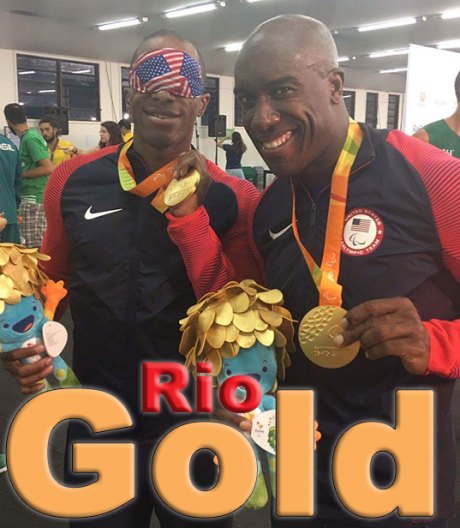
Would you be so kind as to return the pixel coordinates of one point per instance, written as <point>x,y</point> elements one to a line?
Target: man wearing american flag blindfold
<point>141,254</point>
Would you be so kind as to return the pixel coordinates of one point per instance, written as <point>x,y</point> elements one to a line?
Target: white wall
<point>430,96</point>
<point>85,134</point>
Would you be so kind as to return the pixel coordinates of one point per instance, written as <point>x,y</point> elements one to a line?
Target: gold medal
<point>316,337</point>
<point>179,190</point>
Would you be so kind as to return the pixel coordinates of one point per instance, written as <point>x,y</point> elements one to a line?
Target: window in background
<point>124,85</point>
<point>212,88</point>
<point>372,101</point>
<point>349,98</point>
<point>238,113</point>
<point>44,82</point>
<point>393,111</point>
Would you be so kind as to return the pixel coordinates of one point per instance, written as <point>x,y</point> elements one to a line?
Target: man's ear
<point>205,98</point>
<point>11,126</point>
<point>336,80</point>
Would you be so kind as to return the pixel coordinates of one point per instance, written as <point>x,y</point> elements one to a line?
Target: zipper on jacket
<point>313,214</point>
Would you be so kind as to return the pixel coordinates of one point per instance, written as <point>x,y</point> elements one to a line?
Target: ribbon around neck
<point>157,181</point>
<point>326,276</point>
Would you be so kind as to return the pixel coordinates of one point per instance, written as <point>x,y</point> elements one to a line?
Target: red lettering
<point>229,400</point>
<point>153,387</point>
<point>204,387</point>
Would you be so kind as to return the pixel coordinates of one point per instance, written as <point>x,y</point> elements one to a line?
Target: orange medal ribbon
<point>157,181</point>
<point>326,276</point>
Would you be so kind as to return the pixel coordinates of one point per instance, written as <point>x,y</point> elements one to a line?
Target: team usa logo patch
<point>362,233</point>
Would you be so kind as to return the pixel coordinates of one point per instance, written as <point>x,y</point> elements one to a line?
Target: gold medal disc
<point>179,190</point>
<point>316,337</point>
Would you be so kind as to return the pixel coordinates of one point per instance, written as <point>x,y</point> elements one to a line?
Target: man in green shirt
<point>10,190</point>
<point>445,133</point>
<point>36,167</point>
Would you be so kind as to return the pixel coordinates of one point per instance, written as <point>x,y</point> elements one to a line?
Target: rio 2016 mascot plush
<point>28,301</point>
<point>244,329</point>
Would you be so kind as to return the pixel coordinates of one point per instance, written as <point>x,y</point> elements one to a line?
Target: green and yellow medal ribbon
<point>157,181</point>
<point>326,276</point>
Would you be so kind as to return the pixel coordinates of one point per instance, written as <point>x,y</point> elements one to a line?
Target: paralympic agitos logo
<point>409,440</point>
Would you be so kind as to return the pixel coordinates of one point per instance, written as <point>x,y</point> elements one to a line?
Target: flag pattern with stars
<point>167,69</point>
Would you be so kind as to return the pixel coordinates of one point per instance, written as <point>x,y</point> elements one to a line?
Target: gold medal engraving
<point>179,190</point>
<point>316,337</point>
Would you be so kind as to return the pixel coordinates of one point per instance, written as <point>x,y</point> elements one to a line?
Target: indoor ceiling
<point>66,27</point>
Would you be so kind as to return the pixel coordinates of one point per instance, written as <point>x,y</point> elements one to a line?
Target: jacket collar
<point>366,153</point>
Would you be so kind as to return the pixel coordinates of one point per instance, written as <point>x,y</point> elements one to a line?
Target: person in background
<point>234,153</point>
<point>360,218</point>
<point>36,168</point>
<point>125,127</point>
<point>110,134</point>
<point>59,149</point>
<point>10,191</point>
<point>445,133</point>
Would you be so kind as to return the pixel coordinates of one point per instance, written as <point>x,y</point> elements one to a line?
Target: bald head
<point>290,90</point>
<point>296,34</point>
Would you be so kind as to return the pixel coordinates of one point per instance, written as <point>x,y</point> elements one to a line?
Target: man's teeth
<point>278,141</point>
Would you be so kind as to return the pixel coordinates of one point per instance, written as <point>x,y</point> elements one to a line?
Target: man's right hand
<point>188,161</point>
<point>29,376</point>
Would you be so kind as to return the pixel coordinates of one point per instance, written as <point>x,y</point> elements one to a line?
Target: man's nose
<point>163,96</point>
<point>265,115</point>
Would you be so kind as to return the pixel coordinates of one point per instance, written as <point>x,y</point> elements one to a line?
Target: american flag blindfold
<point>167,69</point>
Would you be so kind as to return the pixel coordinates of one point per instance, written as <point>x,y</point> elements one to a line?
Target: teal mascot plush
<point>28,301</point>
<point>243,329</point>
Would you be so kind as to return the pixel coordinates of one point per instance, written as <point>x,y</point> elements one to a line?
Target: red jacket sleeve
<point>445,347</point>
<point>212,262</point>
<point>440,174</point>
<point>55,242</point>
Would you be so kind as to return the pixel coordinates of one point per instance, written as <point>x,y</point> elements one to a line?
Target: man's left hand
<point>389,327</point>
<point>188,161</point>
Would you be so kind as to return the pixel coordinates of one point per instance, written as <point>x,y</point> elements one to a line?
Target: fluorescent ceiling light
<point>394,70</point>
<point>252,1</point>
<point>388,53</point>
<point>26,72</point>
<point>235,46</point>
<point>343,59</point>
<point>398,22</point>
<point>192,10</point>
<point>447,44</point>
<point>46,91</point>
<point>82,71</point>
<point>120,23</point>
<point>452,13</point>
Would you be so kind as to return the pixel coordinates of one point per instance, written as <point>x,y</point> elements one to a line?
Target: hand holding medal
<point>180,185</point>
<point>191,181</point>
<point>388,327</point>
<point>317,332</point>
<point>321,325</point>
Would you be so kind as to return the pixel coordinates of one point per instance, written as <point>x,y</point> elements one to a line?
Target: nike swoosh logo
<point>91,216</point>
<point>279,233</point>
